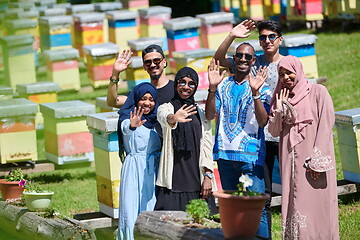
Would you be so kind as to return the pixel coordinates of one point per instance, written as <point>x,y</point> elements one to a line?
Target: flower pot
<point>37,201</point>
<point>10,190</point>
<point>240,215</point>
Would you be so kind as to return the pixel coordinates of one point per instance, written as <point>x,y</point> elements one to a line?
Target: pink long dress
<point>309,207</point>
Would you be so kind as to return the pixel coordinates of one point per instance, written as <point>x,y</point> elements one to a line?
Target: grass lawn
<point>338,57</point>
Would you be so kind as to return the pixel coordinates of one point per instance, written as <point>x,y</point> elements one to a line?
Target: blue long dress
<point>138,175</point>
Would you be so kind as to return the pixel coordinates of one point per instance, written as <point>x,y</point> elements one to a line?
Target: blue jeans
<point>230,172</point>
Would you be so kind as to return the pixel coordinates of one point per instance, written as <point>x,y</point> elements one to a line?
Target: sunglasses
<point>248,56</point>
<point>182,83</point>
<point>271,37</point>
<point>156,61</point>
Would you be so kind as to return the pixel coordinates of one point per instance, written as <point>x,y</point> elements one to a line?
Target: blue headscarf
<point>131,102</point>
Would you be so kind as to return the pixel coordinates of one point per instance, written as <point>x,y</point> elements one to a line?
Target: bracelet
<point>211,91</point>
<point>256,97</point>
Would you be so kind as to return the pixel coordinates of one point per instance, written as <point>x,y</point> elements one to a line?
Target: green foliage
<point>198,209</point>
<point>31,186</point>
<point>48,213</point>
<point>15,176</point>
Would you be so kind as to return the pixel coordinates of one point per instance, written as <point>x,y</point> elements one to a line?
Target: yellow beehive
<point>17,130</point>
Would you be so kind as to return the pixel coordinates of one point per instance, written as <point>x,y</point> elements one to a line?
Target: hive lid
<point>106,122</point>
<point>17,107</point>
<point>108,6</point>
<point>101,102</point>
<point>48,3</point>
<point>61,54</point>
<point>33,13</point>
<point>142,43</point>
<point>62,5</point>
<point>216,17</point>
<point>136,62</point>
<point>5,90</point>
<point>195,53</point>
<point>53,12</point>
<point>121,15</point>
<point>67,109</point>
<point>89,17</point>
<point>350,116</point>
<point>296,40</point>
<point>254,43</point>
<point>21,24</point>
<point>101,49</point>
<point>12,13</point>
<point>154,10</point>
<point>39,87</point>
<point>81,8</point>
<point>17,40</point>
<point>181,23</point>
<point>55,20</point>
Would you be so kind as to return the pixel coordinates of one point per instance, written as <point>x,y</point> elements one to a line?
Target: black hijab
<point>183,135</point>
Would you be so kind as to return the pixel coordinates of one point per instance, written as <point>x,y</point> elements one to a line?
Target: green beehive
<point>19,61</point>
<point>348,129</point>
<point>17,130</point>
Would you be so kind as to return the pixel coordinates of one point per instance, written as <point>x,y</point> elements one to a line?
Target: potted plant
<point>240,210</point>
<point>10,186</point>
<point>36,198</point>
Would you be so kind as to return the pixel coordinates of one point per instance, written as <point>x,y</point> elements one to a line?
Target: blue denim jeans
<point>230,172</point>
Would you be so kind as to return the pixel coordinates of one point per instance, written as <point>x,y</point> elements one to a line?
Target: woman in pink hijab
<point>302,114</point>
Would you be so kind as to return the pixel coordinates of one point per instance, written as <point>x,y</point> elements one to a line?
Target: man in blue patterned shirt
<point>241,103</point>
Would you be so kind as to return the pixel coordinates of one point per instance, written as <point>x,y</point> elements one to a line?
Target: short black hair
<point>245,43</point>
<point>270,25</point>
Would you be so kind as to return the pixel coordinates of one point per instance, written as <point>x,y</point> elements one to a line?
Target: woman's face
<point>288,78</point>
<point>146,103</point>
<point>185,87</point>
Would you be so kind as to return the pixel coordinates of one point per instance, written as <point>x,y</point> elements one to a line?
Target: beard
<point>155,77</point>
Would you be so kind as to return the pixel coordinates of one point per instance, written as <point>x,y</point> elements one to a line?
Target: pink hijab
<point>299,98</point>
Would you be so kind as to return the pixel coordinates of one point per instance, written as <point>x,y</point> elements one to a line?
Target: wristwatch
<point>116,80</point>
<point>209,175</point>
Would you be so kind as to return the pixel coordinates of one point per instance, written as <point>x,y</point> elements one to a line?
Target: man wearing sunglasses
<point>270,39</point>
<point>154,64</point>
<point>241,103</point>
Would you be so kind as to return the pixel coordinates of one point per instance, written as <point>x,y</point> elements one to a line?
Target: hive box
<point>348,128</point>
<point>104,7</point>
<point>151,22</point>
<point>197,59</point>
<point>252,9</point>
<point>53,12</point>
<point>62,68</point>
<point>122,27</point>
<point>100,59</point>
<point>67,138</point>
<point>182,35</point>
<point>18,57</point>
<point>135,73</point>
<point>55,32</point>
<point>88,30</point>
<point>17,130</point>
<point>103,106</point>
<point>140,44</point>
<point>214,28</point>
<point>135,5</point>
<point>41,92</point>
<point>303,47</point>
<point>103,127</point>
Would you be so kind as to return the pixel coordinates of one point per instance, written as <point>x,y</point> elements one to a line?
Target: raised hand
<point>242,30</point>
<point>257,81</point>
<point>122,62</point>
<point>284,94</point>
<point>135,119</point>
<point>184,112</point>
<point>214,75</point>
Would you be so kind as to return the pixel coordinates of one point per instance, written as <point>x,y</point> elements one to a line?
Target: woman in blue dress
<point>141,143</point>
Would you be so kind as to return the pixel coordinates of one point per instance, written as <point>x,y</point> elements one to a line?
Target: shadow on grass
<point>349,198</point>
<point>59,177</point>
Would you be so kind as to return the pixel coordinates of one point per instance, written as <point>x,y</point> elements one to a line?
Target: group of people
<point>265,109</point>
